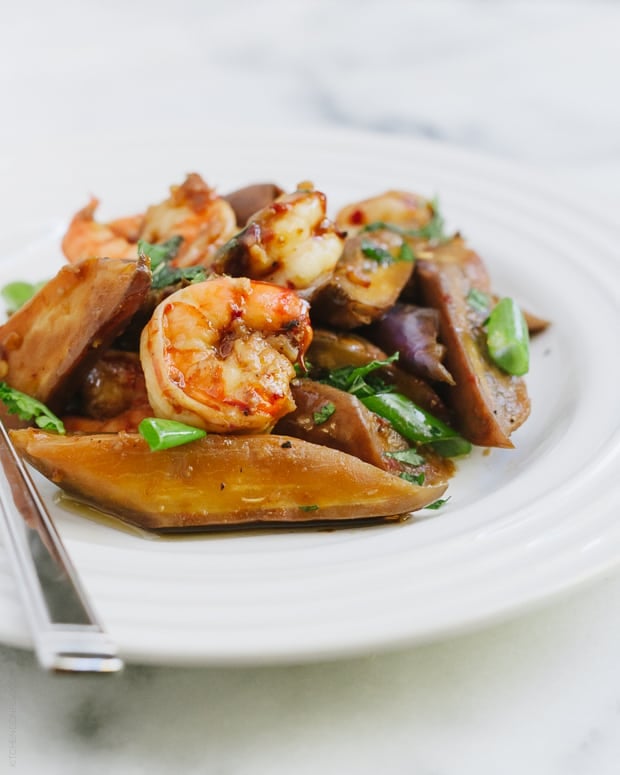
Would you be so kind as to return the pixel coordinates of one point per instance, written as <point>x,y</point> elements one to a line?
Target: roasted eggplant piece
<point>110,386</point>
<point>50,343</point>
<point>328,416</point>
<point>412,332</point>
<point>368,279</point>
<point>219,481</point>
<point>249,200</point>
<point>488,404</point>
<point>331,417</point>
<point>332,350</point>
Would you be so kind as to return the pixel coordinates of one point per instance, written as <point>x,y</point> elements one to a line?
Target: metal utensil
<point>67,634</point>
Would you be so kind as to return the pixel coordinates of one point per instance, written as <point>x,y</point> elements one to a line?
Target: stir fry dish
<point>246,359</point>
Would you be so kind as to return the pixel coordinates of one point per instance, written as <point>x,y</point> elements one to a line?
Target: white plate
<point>521,525</point>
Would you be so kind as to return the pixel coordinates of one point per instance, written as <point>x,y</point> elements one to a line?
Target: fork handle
<point>67,635</point>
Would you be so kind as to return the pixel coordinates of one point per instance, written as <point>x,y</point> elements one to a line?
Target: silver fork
<point>67,634</point>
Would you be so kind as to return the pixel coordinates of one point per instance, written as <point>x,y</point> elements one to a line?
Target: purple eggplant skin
<point>250,199</point>
<point>412,332</point>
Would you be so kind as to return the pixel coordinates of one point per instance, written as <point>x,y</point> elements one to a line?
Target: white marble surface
<point>532,82</point>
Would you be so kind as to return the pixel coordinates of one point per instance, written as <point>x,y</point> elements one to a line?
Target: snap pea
<point>508,338</point>
<point>164,434</point>
<point>414,423</point>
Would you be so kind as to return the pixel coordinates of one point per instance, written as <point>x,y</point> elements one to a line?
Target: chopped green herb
<point>434,230</point>
<point>324,413</point>
<point>164,434</point>
<point>28,408</point>
<point>161,256</point>
<point>413,478</point>
<point>313,507</point>
<point>410,456</point>
<point>479,300</point>
<point>376,252</point>
<point>162,253</point>
<point>302,369</point>
<point>17,293</point>
<point>353,379</point>
<point>437,504</point>
<point>383,256</point>
<point>508,338</point>
<point>406,254</point>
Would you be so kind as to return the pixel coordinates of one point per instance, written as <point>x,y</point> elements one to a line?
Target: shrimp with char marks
<point>220,354</point>
<point>193,211</point>
<point>290,242</point>
<point>395,207</point>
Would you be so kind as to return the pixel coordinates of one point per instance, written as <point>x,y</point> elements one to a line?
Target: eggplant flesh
<point>219,481</point>
<point>362,288</point>
<point>51,342</point>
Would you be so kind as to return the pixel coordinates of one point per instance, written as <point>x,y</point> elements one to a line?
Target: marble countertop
<point>534,83</point>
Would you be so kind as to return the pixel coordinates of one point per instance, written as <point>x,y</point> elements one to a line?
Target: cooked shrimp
<point>86,238</point>
<point>195,212</point>
<point>219,354</point>
<point>290,242</point>
<point>397,207</point>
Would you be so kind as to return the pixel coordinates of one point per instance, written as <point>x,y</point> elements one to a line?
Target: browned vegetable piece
<point>250,199</point>
<point>488,404</point>
<point>111,384</point>
<point>331,350</point>
<point>351,427</point>
<point>48,344</point>
<point>354,429</point>
<point>535,324</point>
<point>219,481</point>
<point>366,282</point>
<point>412,332</point>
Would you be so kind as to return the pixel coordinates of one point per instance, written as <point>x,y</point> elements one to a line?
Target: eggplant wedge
<point>332,350</point>
<point>367,280</point>
<point>412,332</point>
<point>250,199</point>
<point>50,343</point>
<point>219,481</point>
<point>488,404</point>
<point>331,417</point>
